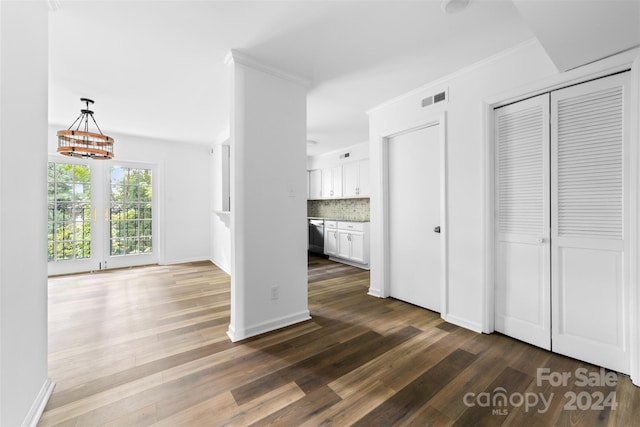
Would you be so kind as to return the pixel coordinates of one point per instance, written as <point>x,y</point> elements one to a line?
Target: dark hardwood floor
<point>148,346</point>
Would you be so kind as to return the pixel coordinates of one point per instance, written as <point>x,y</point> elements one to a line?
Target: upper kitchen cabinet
<point>315,184</point>
<point>355,179</point>
<point>332,182</point>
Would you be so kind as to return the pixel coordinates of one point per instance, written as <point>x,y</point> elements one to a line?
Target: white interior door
<point>589,221</point>
<point>413,213</point>
<point>522,294</point>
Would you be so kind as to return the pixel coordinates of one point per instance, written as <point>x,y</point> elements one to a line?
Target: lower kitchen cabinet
<point>347,242</point>
<point>330,239</point>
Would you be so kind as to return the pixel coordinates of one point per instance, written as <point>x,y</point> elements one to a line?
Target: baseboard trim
<point>351,263</point>
<point>464,323</point>
<point>272,325</point>
<point>221,266</point>
<point>375,293</point>
<point>37,408</point>
<point>183,261</point>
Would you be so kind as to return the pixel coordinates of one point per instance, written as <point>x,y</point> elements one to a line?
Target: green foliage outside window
<point>69,211</point>
<point>131,212</point>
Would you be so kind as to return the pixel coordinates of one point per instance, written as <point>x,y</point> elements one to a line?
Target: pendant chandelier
<point>80,142</point>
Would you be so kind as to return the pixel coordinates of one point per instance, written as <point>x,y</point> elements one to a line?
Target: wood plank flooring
<point>148,346</point>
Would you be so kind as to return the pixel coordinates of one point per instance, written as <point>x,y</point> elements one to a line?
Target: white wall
<point>268,199</point>
<point>24,385</point>
<point>184,189</point>
<point>465,132</point>
<point>356,152</point>
<point>220,241</point>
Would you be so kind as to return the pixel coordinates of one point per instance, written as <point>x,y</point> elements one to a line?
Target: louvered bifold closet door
<point>589,221</point>
<point>522,270</point>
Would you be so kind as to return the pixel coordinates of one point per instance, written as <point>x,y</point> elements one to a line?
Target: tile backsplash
<point>346,209</point>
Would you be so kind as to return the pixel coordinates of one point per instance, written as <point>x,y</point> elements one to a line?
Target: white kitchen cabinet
<point>332,182</point>
<point>344,244</point>
<point>351,246</point>
<point>347,242</point>
<point>315,184</point>
<point>357,249</point>
<point>350,179</point>
<point>330,238</point>
<point>364,186</point>
<point>355,179</point>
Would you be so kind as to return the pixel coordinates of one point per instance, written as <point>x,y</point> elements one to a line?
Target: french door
<point>100,215</point>
<point>562,215</point>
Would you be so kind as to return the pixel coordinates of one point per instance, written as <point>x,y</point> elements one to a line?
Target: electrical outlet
<point>275,293</point>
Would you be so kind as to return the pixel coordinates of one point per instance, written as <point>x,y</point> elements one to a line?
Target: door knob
<point>437,229</point>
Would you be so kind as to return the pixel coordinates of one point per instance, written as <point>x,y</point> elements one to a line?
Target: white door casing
<point>590,221</point>
<point>413,203</point>
<point>522,271</point>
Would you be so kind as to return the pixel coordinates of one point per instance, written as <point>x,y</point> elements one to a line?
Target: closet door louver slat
<point>590,154</point>
<point>520,171</point>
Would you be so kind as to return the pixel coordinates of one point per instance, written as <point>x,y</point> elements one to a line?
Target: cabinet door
<point>327,183</point>
<point>315,184</point>
<point>344,244</point>
<point>364,180</point>
<point>332,182</point>
<point>337,181</point>
<point>350,172</point>
<point>331,241</point>
<point>357,247</point>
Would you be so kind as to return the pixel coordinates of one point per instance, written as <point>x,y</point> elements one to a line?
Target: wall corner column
<point>268,198</point>
<point>25,388</point>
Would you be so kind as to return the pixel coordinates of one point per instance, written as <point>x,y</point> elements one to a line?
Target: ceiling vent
<point>434,99</point>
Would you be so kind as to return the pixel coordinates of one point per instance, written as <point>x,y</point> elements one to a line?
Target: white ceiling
<point>574,36</point>
<point>155,68</point>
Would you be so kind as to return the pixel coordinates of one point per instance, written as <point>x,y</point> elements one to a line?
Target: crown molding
<point>237,57</point>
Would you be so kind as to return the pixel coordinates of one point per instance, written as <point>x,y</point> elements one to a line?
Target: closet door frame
<point>629,60</point>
